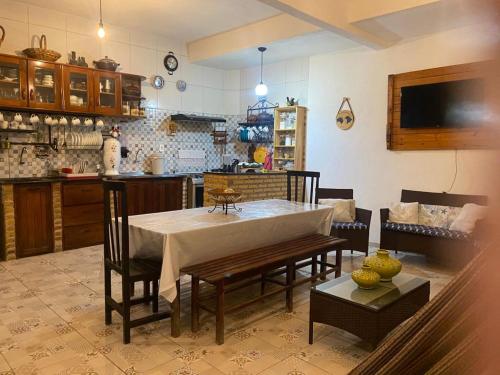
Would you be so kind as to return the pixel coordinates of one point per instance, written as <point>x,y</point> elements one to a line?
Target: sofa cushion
<point>344,210</point>
<point>405,213</point>
<point>357,225</point>
<point>437,216</point>
<point>427,231</point>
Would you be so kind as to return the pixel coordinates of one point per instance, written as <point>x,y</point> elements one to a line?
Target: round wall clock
<point>171,63</point>
<point>181,85</point>
<point>157,82</point>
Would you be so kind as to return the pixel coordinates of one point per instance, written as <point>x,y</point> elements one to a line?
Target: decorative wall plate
<point>345,118</point>
<point>157,82</point>
<point>181,85</point>
<point>171,63</point>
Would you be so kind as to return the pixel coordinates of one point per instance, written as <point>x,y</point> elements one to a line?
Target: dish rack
<point>259,124</point>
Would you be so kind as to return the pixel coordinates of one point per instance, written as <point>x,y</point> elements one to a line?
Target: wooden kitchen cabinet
<point>83,214</point>
<point>78,89</point>
<point>146,196</point>
<point>44,85</point>
<point>33,219</point>
<point>138,197</point>
<point>107,93</point>
<point>13,84</point>
<point>167,195</point>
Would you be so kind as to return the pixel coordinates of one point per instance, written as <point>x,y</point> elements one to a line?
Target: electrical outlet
<point>162,148</point>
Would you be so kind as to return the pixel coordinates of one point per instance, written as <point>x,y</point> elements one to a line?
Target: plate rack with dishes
<point>289,138</point>
<point>259,124</point>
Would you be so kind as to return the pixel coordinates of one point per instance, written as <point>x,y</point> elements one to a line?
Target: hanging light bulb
<point>100,32</point>
<point>261,89</point>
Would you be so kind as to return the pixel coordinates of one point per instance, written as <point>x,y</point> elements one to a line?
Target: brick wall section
<point>57,215</point>
<point>252,186</point>
<point>8,222</point>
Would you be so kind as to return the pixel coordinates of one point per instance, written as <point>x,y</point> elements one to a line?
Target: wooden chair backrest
<point>297,192</point>
<point>116,235</point>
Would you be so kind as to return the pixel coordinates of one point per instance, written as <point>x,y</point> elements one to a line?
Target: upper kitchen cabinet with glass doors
<point>78,89</point>
<point>13,82</point>
<point>44,85</point>
<point>107,93</point>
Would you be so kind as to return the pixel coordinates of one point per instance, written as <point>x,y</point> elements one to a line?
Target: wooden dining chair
<point>116,258</point>
<point>297,186</point>
<point>358,232</point>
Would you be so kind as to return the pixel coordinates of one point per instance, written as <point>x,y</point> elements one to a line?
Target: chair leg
<point>322,267</point>
<point>107,293</point>
<point>126,312</point>
<point>352,251</point>
<point>219,317</point>
<point>132,289</point>
<point>147,292</point>
<point>175,307</point>
<point>195,308</point>
<point>155,295</point>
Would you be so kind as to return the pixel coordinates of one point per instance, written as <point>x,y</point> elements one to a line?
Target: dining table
<point>186,237</point>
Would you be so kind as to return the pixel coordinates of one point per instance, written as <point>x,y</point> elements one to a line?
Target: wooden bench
<point>250,264</point>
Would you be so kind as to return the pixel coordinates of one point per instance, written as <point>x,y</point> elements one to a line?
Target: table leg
<point>311,331</point>
<point>147,292</point>
<point>195,309</point>
<point>175,319</point>
<point>290,272</point>
<point>219,314</point>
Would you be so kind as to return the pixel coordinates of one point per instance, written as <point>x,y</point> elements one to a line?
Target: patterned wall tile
<point>142,136</point>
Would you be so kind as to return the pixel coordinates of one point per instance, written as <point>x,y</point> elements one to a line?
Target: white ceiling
<point>301,46</point>
<point>188,20</point>
<point>185,20</point>
<point>425,20</point>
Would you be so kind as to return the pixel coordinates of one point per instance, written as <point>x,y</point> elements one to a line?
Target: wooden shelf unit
<point>292,156</point>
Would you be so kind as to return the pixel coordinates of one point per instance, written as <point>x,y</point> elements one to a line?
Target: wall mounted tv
<point>452,104</point>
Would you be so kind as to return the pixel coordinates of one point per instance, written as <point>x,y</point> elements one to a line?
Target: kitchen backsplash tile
<point>146,135</point>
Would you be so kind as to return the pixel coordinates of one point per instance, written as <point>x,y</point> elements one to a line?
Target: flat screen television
<point>453,104</point>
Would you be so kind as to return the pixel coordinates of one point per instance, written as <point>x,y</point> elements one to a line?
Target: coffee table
<point>369,314</point>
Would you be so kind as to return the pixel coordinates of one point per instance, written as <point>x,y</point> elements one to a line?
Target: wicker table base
<point>369,314</point>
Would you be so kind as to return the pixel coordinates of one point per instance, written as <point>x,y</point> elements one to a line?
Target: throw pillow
<point>404,213</point>
<point>344,210</point>
<point>437,216</point>
<point>468,216</point>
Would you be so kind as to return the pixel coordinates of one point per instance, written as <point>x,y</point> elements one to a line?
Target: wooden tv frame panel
<point>399,139</point>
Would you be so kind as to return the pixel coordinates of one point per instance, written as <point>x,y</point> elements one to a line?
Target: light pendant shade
<point>261,89</point>
<point>100,32</point>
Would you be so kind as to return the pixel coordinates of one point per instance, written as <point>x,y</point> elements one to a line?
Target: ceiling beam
<point>252,35</point>
<point>329,15</point>
<point>360,10</point>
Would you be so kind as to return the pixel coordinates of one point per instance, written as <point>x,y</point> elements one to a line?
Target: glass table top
<point>375,299</point>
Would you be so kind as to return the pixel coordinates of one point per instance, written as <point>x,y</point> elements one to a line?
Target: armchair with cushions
<point>441,244</point>
<point>356,232</point>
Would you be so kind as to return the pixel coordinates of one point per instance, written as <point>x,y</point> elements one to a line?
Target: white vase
<point>112,156</point>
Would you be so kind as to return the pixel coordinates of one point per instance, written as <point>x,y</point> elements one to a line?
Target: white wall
<point>209,90</point>
<point>358,158</point>
<point>285,78</point>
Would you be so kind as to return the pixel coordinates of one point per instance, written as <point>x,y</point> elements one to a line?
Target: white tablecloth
<point>187,237</point>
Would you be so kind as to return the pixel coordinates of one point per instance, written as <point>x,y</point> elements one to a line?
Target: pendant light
<point>261,88</point>
<point>100,32</point>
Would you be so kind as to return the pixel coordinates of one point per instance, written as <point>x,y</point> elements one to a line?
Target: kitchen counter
<point>253,186</point>
<point>55,179</point>
<point>247,174</point>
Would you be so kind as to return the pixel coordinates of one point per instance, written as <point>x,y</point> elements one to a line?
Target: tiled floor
<point>52,322</point>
